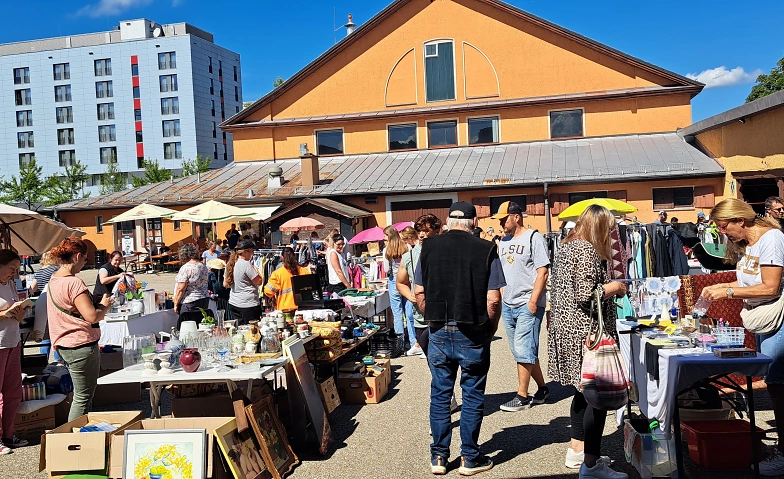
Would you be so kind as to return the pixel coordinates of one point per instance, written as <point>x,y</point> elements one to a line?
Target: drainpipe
<point>547,210</point>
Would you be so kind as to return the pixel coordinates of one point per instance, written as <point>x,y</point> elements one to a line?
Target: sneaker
<point>541,395</point>
<point>517,404</point>
<point>414,351</point>
<point>600,471</point>
<point>773,466</point>
<point>4,449</point>
<point>453,406</point>
<point>575,459</point>
<point>423,356</point>
<point>480,464</point>
<point>438,465</point>
<point>14,442</point>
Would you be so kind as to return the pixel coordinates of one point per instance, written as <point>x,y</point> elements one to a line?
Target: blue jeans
<point>469,349</point>
<point>772,345</point>
<point>522,331</point>
<point>399,304</point>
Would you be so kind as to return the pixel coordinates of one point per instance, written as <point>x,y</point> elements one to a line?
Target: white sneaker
<point>423,356</point>
<point>414,351</point>
<point>773,466</point>
<point>575,459</point>
<point>600,471</point>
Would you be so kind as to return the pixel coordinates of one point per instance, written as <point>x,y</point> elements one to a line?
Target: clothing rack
<point>267,250</point>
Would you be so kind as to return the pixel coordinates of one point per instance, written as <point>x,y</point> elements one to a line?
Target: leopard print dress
<point>576,274</point>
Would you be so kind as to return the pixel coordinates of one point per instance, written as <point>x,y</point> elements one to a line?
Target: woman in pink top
<point>10,356</point>
<point>73,323</point>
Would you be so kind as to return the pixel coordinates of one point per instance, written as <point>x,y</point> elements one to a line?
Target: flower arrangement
<point>132,289</point>
<point>206,318</point>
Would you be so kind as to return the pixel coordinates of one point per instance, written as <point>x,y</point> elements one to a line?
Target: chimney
<point>275,178</point>
<point>350,26</point>
<point>309,165</point>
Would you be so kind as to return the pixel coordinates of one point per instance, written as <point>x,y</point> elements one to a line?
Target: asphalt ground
<point>390,440</point>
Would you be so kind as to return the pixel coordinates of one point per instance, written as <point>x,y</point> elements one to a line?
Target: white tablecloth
<point>367,307</point>
<point>112,333</point>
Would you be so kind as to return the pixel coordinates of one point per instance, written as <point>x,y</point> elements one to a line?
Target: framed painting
<point>241,451</point>
<point>272,436</point>
<point>175,454</point>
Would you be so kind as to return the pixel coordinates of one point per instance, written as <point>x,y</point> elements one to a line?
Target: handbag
<point>603,377</point>
<point>765,318</point>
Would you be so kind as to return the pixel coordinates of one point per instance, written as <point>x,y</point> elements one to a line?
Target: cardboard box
<point>39,415</point>
<point>62,410</point>
<point>109,394</point>
<point>111,362</point>
<point>329,394</point>
<point>358,389</point>
<point>117,445</point>
<point>32,425</point>
<point>67,451</point>
<point>216,404</point>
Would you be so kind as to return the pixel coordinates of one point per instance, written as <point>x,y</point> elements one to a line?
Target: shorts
<point>772,345</point>
<point>522,331</point>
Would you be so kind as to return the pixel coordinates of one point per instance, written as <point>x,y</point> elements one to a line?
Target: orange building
<point>436,100</point>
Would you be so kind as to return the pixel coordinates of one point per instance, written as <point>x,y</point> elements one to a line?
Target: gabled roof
<point>761,105</point>
<point>342,209</point>
<point>398,4</point>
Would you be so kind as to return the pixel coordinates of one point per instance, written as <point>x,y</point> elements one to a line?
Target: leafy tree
<point>62,189</point>
<point>767,84</point>
<point>153,173</point>
<point>28,189</point>
<point>199,165</point>
<point>113,180</point>
<point>277,82</point>
<point>247,104</point>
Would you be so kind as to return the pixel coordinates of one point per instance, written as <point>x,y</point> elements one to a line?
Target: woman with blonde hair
<point>757,244</point>
<point>577,274</point>
<point>393,253</point>
<point>42,276</point>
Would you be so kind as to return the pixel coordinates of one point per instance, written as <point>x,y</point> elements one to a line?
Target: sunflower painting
<point>164,454</point>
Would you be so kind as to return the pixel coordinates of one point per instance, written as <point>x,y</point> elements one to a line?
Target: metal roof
<point>585,160</point>
<point>342,209</point>
<point>770,102</point>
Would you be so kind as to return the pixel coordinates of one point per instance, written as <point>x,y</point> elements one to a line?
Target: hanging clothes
<point>617,267</point>
<point>680,264</point>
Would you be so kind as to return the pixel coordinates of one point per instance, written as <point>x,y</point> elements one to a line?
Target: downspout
<point>547,210</point>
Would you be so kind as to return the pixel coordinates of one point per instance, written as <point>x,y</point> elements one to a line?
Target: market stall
<point>113,332</point>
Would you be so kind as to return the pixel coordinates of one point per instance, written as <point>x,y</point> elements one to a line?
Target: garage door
<point>411,210</point>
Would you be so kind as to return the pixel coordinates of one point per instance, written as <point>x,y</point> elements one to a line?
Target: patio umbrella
<point>30,232</point>
<point>212,212</point>
<point>616,207</point>
<point>368,235</point>
<point>142,212</point>
<point>402,225</point>
<point>301,224</point>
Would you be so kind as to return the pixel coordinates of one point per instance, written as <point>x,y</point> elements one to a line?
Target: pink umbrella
<point>373,234</point>
<point>402,225</point>
<point>301,224</point>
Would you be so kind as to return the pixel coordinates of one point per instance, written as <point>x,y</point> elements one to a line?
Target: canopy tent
<point>29,232</point>
<point>616,207</point>
<point>142,212</point>
<point>262,213</point>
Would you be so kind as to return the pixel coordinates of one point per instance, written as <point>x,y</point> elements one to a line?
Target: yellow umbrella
<point>616,207</point>
<point>142,212</point>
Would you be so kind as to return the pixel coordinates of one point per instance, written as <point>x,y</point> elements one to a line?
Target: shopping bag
<point>603,378</point>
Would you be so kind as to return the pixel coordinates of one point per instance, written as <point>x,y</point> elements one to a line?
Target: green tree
<point>28,189</point>
<point>62,189</point>
<point>113,180</point>
<point>153,173</point>
<point>767,84</point>
<point>247,104</point>
<point>199,165</point>
<point>277,82</point>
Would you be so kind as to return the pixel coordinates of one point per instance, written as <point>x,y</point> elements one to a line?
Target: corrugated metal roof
<point>760,105</point>
<point>586,160</point>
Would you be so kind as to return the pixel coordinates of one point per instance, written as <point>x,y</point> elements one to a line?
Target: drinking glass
<point>222,346</point>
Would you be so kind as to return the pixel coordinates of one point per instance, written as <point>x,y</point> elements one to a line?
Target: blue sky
<point>725,40</point>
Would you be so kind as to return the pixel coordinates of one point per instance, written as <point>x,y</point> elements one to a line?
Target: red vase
<point>190,359</point>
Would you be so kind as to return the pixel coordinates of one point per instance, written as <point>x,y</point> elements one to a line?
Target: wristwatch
<point>730,293</point>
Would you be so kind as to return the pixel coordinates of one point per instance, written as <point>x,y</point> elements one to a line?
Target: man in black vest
<point>458,284</point>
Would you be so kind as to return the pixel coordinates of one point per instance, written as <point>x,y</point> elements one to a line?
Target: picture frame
<point>272,437</point>
<point>241,451</point>
<point>176,453</point>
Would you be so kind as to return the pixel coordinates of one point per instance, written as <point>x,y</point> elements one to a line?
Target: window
<point>482,130</point>
<point>167,61</point>
<point>24,118</point>
<point>62,93</point>
<point>224,136</point>
<point>103,89</point>
<point>168,83</point>
<point>140,162</point>
<point>137,115</point>
<point>65,136</point>
<point>225,153</point>
<point>402,137</point>
<point>220,68</point>
<point>61,71</point>
<point>237,108</point>
<point>139,137</point>
<point>495,201</point>
<point>442,133</point>
<point>566,124</point>
<point>172,150</point>
<point>214,130</point>
<point>223,113</point>
<point>235,72</point>
<point>212,86</point>
<point>215,150</point>
<point>210,64</point>
<point>106,133</point>
<point>236,93</point>
<point>137,93</point>
<point>23,97</point>
<point>25,159</point>
<point>669,198</point>
<point>585,195</point>
<point>99,224</point>
<point>21,75</point>
<point>329,142</point>
<point>67,157</point>
<point>177,225</point>
<point>212,107</point>
<point>25,139</point>
<point>170,106</point>
<point>171,128</point>
<point>106,111</point>
<point>439,71</point>
<point>221,91</point>
<point>134,70</point>
<point>108,154</point>
<point>103,67</point>
<point>64,114</point>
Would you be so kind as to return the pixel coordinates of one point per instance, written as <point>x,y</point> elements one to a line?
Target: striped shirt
<point>43,275</point>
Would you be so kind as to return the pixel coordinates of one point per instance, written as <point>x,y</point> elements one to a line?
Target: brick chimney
<point>309,164</point>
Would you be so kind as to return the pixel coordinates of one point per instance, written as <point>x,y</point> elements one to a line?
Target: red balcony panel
<point>139,150</point>
<point>220,78</point>
<point>137,103</point>
<point>224,142</point>
<point>221,98</point>
<point>134,59</point>
<point>138,126</point>
<point>135,81</point>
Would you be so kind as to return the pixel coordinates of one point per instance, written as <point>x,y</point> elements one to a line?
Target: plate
<point>672,284</point>
<point>654,285</point>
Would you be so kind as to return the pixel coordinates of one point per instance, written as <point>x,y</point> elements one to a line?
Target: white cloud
<point>106,8</point>
<point>719,77</point>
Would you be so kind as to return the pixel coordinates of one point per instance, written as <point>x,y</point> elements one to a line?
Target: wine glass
<point>222,346</point>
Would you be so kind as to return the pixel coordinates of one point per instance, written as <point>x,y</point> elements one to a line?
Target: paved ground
<point>391,439</point>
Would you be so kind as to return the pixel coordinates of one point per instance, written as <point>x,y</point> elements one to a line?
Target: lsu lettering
<point>510,251</point>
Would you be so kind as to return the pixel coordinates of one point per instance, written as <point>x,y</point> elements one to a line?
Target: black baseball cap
<point>462,210</point>
<point>245,244</point>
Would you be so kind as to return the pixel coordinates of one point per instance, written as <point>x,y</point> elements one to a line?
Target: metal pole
<point>547,218</point>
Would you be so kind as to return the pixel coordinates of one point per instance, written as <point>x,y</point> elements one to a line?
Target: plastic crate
<point>729,336</point>
<point>721,444</point>
<point>650,453</point>
<point>384,345</point>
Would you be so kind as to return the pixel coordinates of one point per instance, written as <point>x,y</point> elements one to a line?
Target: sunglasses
<point>780,210</point>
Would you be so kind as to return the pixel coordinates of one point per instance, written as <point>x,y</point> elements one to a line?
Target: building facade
<point>140,91</point>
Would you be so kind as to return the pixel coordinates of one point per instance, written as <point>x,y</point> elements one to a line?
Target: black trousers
<point>587,424</point>
<point>244,315</point>
<point>423,338</point>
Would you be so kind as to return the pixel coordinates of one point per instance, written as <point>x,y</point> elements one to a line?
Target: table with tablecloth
<point>368,306</point>
<point>113,332</point>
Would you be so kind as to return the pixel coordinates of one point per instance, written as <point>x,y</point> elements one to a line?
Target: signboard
<point>127,245</point>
